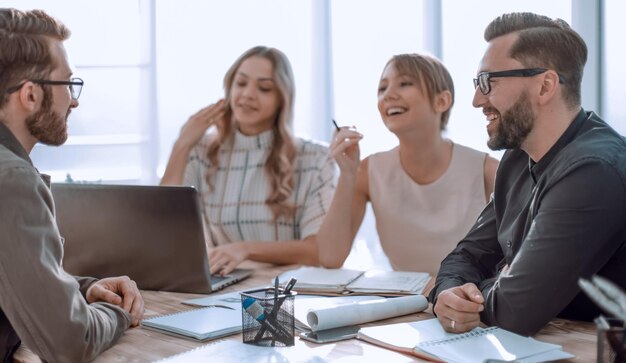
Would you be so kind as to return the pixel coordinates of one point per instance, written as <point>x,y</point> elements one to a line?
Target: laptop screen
<point>152,234</point>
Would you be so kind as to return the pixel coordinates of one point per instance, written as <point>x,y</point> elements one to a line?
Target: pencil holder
<point>267,317</point>
<point>611,343</point>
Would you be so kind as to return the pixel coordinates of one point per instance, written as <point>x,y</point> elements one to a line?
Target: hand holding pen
<point>345,148</point>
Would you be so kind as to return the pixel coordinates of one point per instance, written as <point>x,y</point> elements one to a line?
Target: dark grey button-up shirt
<point>39,302</point>
<point>551,223</point>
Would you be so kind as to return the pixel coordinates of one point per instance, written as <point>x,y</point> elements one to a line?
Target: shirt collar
<point>259,141</point>
<point>536,169</point>
<point>8,140</point>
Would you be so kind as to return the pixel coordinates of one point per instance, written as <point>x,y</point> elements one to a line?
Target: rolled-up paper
<point>364,311</point>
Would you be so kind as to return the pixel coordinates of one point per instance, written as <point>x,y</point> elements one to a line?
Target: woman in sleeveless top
<point>427,192</point>
<point>264,192</point>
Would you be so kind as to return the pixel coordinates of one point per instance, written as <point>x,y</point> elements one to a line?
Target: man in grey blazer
<point>60,317</point>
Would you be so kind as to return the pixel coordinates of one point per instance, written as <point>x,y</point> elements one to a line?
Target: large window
<point>150,64</point>
<point>614,75</point>
<point>199,40</point>
<point>361,46</point>
<point>108,135</point>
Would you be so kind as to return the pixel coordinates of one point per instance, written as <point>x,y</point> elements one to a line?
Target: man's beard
<point>47,126</point>
<point>513,126</point>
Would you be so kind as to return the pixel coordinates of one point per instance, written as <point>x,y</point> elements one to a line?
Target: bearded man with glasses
<point>558,211</point>
<point>60,317</point>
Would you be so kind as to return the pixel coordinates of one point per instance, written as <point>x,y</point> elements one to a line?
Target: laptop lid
<point>152,234</point>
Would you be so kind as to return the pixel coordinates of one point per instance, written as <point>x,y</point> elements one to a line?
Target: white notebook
<point>489,343</point>
<point>426,339</point>
<point>200,324</point>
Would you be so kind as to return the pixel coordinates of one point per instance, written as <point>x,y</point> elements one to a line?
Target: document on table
<point>359,312</point>
<point>345,281</point>
<point>426,339</point>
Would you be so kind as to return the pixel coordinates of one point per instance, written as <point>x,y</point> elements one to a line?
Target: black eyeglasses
<point>75,85</point>
<point>484,78</point>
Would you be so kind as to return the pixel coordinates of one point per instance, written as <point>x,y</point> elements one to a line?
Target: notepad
<point>427,339</point>
<point>344,281</point>
<point>200,324</point>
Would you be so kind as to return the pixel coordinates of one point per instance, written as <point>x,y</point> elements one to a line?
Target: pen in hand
<point>336,126</point>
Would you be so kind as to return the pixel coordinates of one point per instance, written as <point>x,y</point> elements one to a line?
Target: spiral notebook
<point>427,340</point>
<point>200,324</point>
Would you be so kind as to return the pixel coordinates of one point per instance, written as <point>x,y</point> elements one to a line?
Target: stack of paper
<point>344,281</point>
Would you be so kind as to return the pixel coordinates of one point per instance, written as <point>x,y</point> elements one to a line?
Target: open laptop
<point>152,234</point>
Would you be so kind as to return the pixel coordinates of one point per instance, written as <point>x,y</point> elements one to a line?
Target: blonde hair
<point>430,73</point>
<point>25,46</point>
<point>279,164</point>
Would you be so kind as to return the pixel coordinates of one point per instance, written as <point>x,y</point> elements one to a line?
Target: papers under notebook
<point>200,324</point>
<point>345,281</point>
<point>426,339</point>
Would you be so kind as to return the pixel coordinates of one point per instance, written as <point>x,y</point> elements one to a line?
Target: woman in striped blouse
<point>264,191</point>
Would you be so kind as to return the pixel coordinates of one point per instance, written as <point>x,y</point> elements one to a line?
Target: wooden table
<point>143,345</point>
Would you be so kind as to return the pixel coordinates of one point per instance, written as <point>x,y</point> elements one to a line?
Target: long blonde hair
<point>279,164</point>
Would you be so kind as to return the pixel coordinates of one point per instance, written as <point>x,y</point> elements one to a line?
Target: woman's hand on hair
<point>193,130</point>
<point>345,149</point>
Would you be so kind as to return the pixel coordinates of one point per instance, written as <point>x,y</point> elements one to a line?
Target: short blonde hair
<point>430,73</point>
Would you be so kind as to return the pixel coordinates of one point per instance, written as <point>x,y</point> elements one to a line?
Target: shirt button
<point>509,244</point>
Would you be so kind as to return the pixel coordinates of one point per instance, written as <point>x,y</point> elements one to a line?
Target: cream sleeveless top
<point>418,225</point>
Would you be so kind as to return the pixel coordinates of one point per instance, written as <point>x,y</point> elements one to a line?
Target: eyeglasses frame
<point>524,72</point>
<point>74,91</point>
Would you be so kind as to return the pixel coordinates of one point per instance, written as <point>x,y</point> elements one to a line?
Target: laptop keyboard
<point>216,279</point>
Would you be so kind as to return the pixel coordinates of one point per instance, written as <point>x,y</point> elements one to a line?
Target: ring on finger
<point>452,324</point>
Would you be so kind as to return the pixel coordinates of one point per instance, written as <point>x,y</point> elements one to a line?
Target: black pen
<point>336,126</point>
<point>289,285</point>
<point>275,303</point>
<point>286,291</point>
<point>275,290</point>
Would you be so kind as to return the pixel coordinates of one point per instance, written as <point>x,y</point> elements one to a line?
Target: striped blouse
<point>235,209</point>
